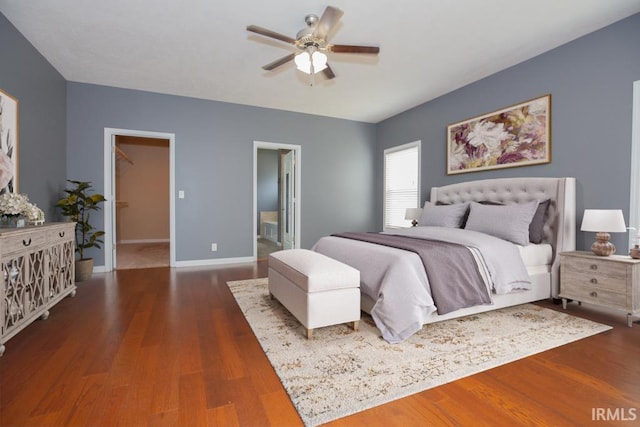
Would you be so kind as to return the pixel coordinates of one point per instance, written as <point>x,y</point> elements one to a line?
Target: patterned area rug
<point>340,372</point>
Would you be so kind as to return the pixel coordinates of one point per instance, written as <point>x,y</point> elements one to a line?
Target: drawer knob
<point>594,266</point>
<point>594,294</point>
<point>594,281</point>
<point>61,234</point>
<point>26,242</point>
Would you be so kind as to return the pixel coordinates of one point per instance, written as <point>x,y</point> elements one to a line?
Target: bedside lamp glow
<point>413,214</point>
<point>603,222</point>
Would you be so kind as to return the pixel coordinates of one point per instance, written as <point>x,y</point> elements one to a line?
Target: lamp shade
<point>305,59</point>
<point>413,213</point>
<point>603,220</point>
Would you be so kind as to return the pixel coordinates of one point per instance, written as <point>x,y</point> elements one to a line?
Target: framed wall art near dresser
<point>8,143</point>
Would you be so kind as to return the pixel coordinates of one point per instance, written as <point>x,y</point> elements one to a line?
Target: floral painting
<point>514,136</point>
<point>8,143</point>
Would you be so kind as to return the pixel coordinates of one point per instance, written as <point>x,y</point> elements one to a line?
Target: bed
<point>392,279</point>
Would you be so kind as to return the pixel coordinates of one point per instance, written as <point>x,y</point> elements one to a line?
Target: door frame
<point>634,197</point>
<point>297,149</point>
<point>110,185</point>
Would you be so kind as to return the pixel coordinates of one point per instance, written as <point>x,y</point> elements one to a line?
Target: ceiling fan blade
<point>345,48</point>
<point>279,62</point>
<point>269,33</point>
<point>328,72</point>
<point>329,19</point>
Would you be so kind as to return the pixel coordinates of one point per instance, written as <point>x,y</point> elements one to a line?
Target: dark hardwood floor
<point>170,347</point>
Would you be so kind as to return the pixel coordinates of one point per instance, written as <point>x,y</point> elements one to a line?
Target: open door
<point>288,200</point>
<point>288,188</point>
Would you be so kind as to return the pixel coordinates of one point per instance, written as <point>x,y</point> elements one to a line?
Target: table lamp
<point>413,214</point>
<point>603,222</point>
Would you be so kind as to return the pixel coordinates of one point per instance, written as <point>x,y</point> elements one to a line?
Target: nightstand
<point>612,281</point>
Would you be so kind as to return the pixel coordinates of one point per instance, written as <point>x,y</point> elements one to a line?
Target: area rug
<point>340,372</point>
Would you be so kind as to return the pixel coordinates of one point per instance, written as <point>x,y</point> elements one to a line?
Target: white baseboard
<point>197,263</point>
<point>217,261</point>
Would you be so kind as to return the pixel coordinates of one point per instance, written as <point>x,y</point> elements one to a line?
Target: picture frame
<point>518,135</point>
<point>8,143</point>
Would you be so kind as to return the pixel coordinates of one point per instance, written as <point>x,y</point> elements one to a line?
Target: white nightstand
<point>612,281</point>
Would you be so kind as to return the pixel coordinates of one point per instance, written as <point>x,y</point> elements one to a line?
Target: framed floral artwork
<point>519,135</point>
<point>8,143</point>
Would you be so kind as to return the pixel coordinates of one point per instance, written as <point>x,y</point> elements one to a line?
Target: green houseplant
<point>77,206</point>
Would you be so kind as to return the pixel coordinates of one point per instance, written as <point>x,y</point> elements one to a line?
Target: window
<point>401,183</point>
<point>634,214</point>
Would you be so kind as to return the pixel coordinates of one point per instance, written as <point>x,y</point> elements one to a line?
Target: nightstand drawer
<point>586,278</point>
<point>595,273</point>
<point>594,295</point>
<point>597,267</point>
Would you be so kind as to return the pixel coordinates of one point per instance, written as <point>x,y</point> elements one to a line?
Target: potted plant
<point>77,207</point>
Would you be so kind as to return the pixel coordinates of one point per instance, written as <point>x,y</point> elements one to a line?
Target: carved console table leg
<point>45,315</point>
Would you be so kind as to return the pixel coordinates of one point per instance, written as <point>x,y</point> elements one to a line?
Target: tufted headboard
<point>560,225</point>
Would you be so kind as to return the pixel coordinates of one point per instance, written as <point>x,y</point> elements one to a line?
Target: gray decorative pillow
<point>508,222</point>
<point>536,228</point>
<point>443,215</point>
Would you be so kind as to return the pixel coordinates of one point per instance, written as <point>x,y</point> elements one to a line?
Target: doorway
<point>634,209</point>
<point>276,202</point>
<point>142,202</point>
<point>139,212</point>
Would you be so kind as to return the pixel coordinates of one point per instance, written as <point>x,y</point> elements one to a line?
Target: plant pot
<point>84,269</point>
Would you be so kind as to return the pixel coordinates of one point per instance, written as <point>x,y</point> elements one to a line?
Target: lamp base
<point>602,246</point>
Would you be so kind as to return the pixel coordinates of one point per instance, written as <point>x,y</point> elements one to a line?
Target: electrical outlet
<point>214,247</point>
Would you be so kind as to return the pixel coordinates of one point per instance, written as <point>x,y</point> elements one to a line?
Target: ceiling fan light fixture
<point>305,60</point>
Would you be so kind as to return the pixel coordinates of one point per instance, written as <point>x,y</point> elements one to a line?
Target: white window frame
<point>634,199</point>
<point>410,145</point>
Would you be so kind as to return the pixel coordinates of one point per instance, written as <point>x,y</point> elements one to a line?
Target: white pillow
<point>443,215</point>
<point>508,222</point>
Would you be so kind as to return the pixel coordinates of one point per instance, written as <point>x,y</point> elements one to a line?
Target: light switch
<point>181,194</point>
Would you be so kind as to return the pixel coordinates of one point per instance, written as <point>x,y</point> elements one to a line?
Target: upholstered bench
<point>318,290</point>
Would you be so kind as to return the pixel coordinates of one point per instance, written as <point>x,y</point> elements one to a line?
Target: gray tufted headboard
<point>560,225</point>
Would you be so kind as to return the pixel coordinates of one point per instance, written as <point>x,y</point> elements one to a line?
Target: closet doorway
<point>142,202</point>
<point>276,197</point>
<point>139,212</point>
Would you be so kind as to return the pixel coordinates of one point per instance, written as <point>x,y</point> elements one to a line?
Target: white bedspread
<point>397,281</point>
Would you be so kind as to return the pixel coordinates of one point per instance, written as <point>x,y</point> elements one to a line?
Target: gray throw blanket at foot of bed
<point>451,269</point>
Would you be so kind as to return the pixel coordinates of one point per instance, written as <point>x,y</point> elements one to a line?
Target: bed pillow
<point>508,222</point>
<point>536,228</point>
<point>443,215</point>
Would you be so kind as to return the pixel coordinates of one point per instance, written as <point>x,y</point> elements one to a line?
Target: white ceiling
<point>201,49</point>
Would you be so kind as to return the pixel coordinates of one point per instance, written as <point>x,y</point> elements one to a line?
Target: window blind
<point>401,183</point>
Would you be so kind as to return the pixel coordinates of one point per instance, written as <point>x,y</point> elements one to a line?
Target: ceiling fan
<point>312,44</point>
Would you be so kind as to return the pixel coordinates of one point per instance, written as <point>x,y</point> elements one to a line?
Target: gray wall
<point>590,81</point>
<point>214,163</point>
<point>41,94</point>
<point>267,177</point>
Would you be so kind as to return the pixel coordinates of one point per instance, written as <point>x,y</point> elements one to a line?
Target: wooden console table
<point>37,264</point>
